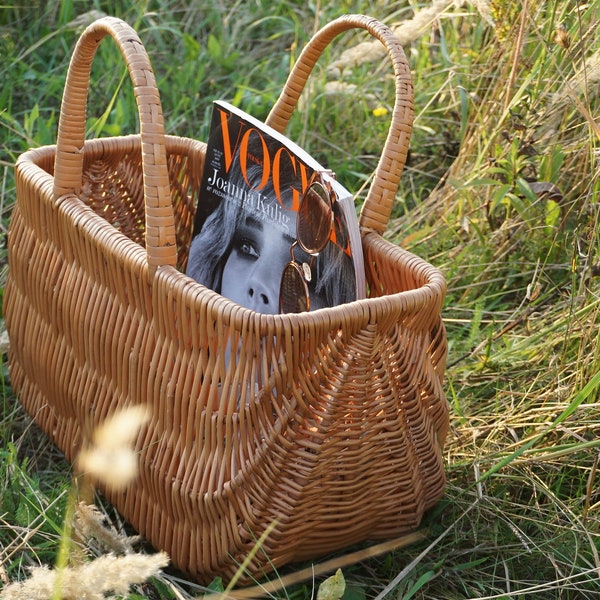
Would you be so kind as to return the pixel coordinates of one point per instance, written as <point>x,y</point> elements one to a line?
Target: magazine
<point>245,231</point>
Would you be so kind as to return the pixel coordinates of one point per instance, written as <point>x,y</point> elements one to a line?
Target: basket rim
<point>174,143</point>
<point>429,296</point>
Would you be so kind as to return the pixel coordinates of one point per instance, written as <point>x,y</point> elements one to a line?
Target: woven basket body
<point>329,424</point>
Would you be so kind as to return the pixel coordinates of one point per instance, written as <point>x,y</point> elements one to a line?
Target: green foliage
<point>500,192</point>
<point>31,517</point>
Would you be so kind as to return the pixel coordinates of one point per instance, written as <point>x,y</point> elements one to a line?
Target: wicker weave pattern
<point>330,423</point>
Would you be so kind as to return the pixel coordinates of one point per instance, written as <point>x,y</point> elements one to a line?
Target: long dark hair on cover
<point>333,281</point>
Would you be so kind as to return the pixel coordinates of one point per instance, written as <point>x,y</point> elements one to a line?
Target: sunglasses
<point>314,225</point>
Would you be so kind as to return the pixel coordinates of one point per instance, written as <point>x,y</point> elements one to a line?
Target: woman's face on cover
<point>252,273</point>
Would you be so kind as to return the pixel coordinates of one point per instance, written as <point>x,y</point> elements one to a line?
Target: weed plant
<point>501,192</point>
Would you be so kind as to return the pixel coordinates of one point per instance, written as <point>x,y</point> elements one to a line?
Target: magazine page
<point>245,233</point>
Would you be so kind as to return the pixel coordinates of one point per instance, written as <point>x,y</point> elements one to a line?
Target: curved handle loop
<point>160,224</point>
<point>377,208</point>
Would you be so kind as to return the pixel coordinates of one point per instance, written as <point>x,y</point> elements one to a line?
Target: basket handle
<point>377,208</point>
<point>68,168</point>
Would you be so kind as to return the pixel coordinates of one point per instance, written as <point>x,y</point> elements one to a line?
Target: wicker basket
<point>330,424</point>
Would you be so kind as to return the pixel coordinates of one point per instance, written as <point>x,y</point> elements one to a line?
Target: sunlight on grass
<point>500,192</point>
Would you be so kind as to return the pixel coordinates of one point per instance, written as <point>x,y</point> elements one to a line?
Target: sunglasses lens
<point>293,294</point>
<point>314,219</point>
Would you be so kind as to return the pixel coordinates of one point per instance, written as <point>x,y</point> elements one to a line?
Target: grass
<point>506,99</point>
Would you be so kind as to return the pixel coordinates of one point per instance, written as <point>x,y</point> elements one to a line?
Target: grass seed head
<point>111,457</point>
<point>93,580</point>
